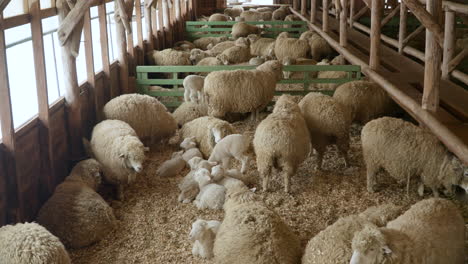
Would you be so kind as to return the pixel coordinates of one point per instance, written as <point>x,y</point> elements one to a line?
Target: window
<point>134,28</point>
<point>112,35</point>
<point>96,35</point>
<point>52,58</point>
<point>14,8</point>
<point>46,4</point>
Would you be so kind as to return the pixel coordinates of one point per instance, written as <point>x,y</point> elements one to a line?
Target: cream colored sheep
<point>256,61</point>
<point>217,49</point>
<point>241,29</point>
<point>168,57</point>
<point>241,91</point>
<point>233,12</point>
<point>231,146</point>
<point>281,141</point>
<point>261,46</point>
<point>188,143</point>
<point>365,100</point>
<point>189,111</point>
<point>405,150</point>
<point>319,47</point>
<point>290,47</point>
<point>211,195</point>
<point>255,15</point>
<point>115,145</point>
<point>279,14</point>
<point>75,212</point>
<point>202,43</point>
<point>431,231</point>
<point>196,55</point>
<point>173,166</point>
<point>203,234</point>
<point>333,244</point>
<point>328,122</point>
<point>193,88</point>
<point>239,53</point>
<point>30,243</point>
<point>290,61</point>
<point>184,45</point>
<point>202,129</point>
<point>145,114</point>
<point>291,18</point>
<point>218,17</point>
<point>189,187</point>
<point>252,233</point>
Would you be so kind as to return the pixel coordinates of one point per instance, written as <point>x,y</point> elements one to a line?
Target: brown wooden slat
<point>108,91</point>
<point>88,45</point>
<point>3,189</point>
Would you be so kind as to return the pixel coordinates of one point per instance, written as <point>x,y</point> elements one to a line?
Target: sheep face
<point>283,35</point>
<point>202,177</point>
<point>188,143</point>
<point>242,42</point>
<point>369,246</point>
<point>223,58</point>
<point>253,38</point>
<point>286,62</point>
<point>217,172</point>
<point>199,228</point>
<point>177,154</point>
<point>286,104</point>
<point>134,159</point>
<point>274,66</point>
<point>464,182</point>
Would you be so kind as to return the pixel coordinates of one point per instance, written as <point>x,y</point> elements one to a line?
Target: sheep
<point>290,47</point>
<point>211,195</point>
<point>365,100</point>
<point>210,61</point>
<point>115,145</point>
<point>172,167</point>
<point>239,19</point>
<point>227,178</point>
<point>264,9</point>
<point>333,244</point>
<point>291,18</point>
<point>203,235</point>
<point>193,86</point>
<point>239,53</point>
<point>207,131</point>
<point>189,111</point>
<point>396,146</point>
<point>188,143</point>
<point>145,114</point>
<point>281,141</point>
<point>234,11</point>
<point>168,57</point>
<point>290,61</point>
<point>30,243</point>
<point>256,61</point>
<point>431,231</point>
<point>319,47</point>
<point>191,153</point>
<point>328,122</point>
<point>241,91</point>
<point>254,15</point>
<point>196,55</point>
<point>252,233</point>
<point>241,29</point>
<point>189,187</point>
<point>184,45</point>
<point>231,146</point>
<point>75,212</point>
<point>202,43</point>
<point>218,17</point>
<point>261,46</point>
<point>279,14</point>
<point>215,50</point>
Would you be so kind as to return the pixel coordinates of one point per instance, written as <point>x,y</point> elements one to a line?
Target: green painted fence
<point>194,28</point>
<point>174,96</point>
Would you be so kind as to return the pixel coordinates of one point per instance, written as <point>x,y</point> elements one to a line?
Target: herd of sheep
<point>76,216</point>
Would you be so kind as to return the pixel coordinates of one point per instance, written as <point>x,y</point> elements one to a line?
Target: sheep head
<point>188,143</point>
<point>253,38</point>
<point>133,155</point>
<point>87,171</point>
<point>286,103</point>
<point>274,66</point>
<point>202,229</point>
<point>239,194</point>
<point>369,246</point>
<point>202,177</point>
<point>283,35</point>
<point>286,62</point>
<point>177,154</point>
<point>242,42</point>
<point>217,172</point>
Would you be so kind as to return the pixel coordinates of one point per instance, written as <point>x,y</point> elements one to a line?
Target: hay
<point>154,227</point>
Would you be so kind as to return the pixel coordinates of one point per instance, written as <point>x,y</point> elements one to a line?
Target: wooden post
<point>130,45</point>
<point>139,25</point>
<point>303,7</point>
<point>8,135</point>
<point>351,13</point>
<point>167,37</point>
<point>149,25</point>
<point>122,49</point>
<point>433,53</point>
<point>449,43</point>
<point>313,10</point>
<point>325,26</point>
<point>403,28</point>
<point>376,17</point>
<point>154,26</point>
<point>91,77</point>
<point>48,180</point>
<point>390,16</point>
<point>109,92</point>
<point>295,4</point>
<point>428,20</point>
<point>72,94</point>
<point>344,24</point>
<point>160,17</point>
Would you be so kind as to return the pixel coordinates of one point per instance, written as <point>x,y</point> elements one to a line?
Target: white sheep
<point>168,57</point>
<point>319,47</point>
<point>218,17</point>
<point>396,146</point>
<point>145,114</point>
<point>196,55</point>
<point>172,167</point>
<point>291,18</point>
<point>228,178</point>
<point>231,146</point>
<point>328,122</point>
<point>202,43</point>
<point>215,50</point>
<point>256,61</point>
<point>193,86</point>
<point>431,231</point>
<point>30,243</point>
<point>184,45</point>
<point>189,187</point>
<point>188,143</point>
<point>281,141</point>
<point>329,75</point>
<point>203,235</point>
<point>239,53</point>
<point>75,212</point>
<point>241,91</point>
<point>234,12</point>
<point>211,195</point>
<point>210,61</point>
<point>279,14</point>
<point>290,47</point>
<point>261,46</point>
<point>115,145</point>
<point>255,15</point>
<point>191,153</point>
<point>189,111</point>
<point>241,29</point>
<point>207,131</point>
<point>287,61</point>
<point>252,233</point>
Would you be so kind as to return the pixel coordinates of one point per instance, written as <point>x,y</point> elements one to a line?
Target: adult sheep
<point>239,53</point>
<point>242,29</point>
<point>328,122</point>
<point>202,43</point>
<point>254,15</point>
<point>241,91</point>
<point>233,12</point>
<point>207,132</point>
<point>218,17</point>
<point>397,146</point>
<point>365,100</point>
<point>431,231</point>
<point>319,47</point>
<point>215,50</point>
<point>290,47</point>
<point>75,212</point>
<point>333,244</point>
<point>281,141</point>
<point>261,46</point>
<point>115,145</point>
<point>252,233</point>
<point>145,114</point>
<point>30,243</point>
<point>189,111</point>
<point>168,57</point>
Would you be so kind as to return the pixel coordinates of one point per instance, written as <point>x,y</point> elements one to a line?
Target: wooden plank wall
<point>22,166</point>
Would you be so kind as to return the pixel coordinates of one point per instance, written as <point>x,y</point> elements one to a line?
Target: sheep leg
<point>196,249</point>
<point>244,160</point>
<point>265,174</point>
<point>319,160</point>
<point>435,192</point>
<point>343,147</point>
<point>421,189</point>
<point>371,173</point>
<point>408,180</point>
<point>288,171</point>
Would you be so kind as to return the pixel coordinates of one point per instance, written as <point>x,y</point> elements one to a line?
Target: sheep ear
<point>122,155</point>
<point>253,189</point>
<point>386,250</point>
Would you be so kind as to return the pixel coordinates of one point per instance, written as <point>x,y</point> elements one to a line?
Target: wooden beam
<point>376,17</point>
<point>149,25</point>
<point>70,22</point>
<point>412,35</point>
<point>313,10</point>
<point>91,77</point>
<point>139,25</point>
<point>303,7</point>
<point>166,23</point>
<point>351,12</point>
<point>426,19</point>
<point>107,93</point>
<point>360,13</point>
<point>403,29</point>
<point>390,15</point>
<point>121,12</point>
<point>455,61</point>
<point>325,24</point>
<point>3,5</point>
<point>160,18</point>
<point>344,24</point>
<point>154,26</point>
<point>433,55</point>
<point>122,52</point>
<point>449,43</point>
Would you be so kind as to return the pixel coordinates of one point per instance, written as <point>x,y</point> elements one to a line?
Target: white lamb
<point>193,85</point>
<point>189,187</point>
<point>203,234</point>
<point>172,167</point>
<point>188,143</point>
<point>191,153</point>
<point>211,195</point>
<point>228,178</point>
<point>231,146</point>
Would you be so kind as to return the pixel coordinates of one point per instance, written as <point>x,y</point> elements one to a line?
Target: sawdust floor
<point>154,227</point>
